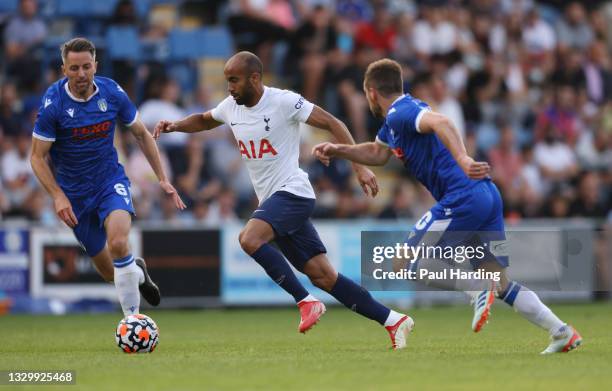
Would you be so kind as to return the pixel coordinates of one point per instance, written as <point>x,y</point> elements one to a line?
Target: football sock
<point>279,270</point>
<point>527,303</point>
<point>393,318</point>
<point>309,298</point>
<point>128,276</point>
<point>359,300</point>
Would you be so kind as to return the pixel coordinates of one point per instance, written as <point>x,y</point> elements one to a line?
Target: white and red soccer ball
<point>137,334</point>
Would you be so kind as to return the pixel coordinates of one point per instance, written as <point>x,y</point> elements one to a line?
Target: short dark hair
<point>385,76</point>
<point>77,45</point>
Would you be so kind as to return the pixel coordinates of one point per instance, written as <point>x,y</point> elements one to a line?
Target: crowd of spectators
<point>528,84</point>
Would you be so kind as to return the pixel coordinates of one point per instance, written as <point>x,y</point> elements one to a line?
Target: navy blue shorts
<point>289,216</point>
<point>473,217</point>
<point>92,211</point>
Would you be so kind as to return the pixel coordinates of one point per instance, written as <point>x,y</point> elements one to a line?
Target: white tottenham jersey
<point>269,140</point>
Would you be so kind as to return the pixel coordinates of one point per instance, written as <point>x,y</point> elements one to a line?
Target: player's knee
<point>324,281</point>
<point>249,243</point>
<point>118,246</point>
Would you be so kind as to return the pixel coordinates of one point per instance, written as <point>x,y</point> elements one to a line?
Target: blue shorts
<point>289,216</point>
<point>92,211</point>
<point>473,217</point>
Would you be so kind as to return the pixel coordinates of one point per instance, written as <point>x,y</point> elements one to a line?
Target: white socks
<point>308,298</point>
<point>529,305</point>
<point>127,280</point>
<point>393,318</point>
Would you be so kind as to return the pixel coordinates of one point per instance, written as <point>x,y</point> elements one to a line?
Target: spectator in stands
<point>379,33</point>
<point>403,202</point>
<point>434,33</point>
<point>539,41</point>
<point>561,118</point>
<point>19,182</point>
<point>254,27</point>
<point>556,160</point>
<point>10,117</point>
<point>22,35</point>
<point>574,30</point>
<point>598,74</point>
<point>594,150</point>
<point>194,177</point>
<point>222,210</point>
<point>446,104</point>
<point>506,162</point>
<point>350,90</point>
<point>163,104</point>
<point>310,48</point>
<point>532,189</point>
<point>589,202</point>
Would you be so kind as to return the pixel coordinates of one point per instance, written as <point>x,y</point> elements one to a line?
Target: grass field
<point>261,349</point>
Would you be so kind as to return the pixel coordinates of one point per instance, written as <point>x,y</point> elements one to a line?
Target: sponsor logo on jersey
<point>102,105</point>
<point>299,103</point>
<point>89,132</point>
<point>253,152</point>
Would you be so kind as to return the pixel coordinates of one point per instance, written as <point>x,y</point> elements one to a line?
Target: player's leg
<point>128,276</point>
<point>254,240</point>
<point>524,301</point>
<point>115,210</point>
<point>449,223</point>
<point>103,262</point>
<point>304,249</point>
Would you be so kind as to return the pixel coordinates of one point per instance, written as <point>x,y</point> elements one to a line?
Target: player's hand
<point>474,169</point>
<point>367,180</point>
<point>63,208</point>
<point>163,126</point>
<point>324,152</point>
<point>171,192</point>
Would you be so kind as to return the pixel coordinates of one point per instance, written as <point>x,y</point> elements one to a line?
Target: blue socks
<point>509,295</point>
<point>359,300</point>
<point>278,269</point>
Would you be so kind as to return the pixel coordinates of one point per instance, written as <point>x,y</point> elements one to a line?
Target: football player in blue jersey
<point>75,127</point>
<point>468,204</point>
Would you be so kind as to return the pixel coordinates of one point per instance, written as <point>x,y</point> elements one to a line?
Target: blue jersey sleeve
<point>127,111</point>
<point>383,134</point>
<point>406,117</point>
<point>46,120</point>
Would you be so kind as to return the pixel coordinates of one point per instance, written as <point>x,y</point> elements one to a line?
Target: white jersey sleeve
<point>295,107</point>
<point>221,112</point>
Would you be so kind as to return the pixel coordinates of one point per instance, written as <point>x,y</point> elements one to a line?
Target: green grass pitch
<point>261,349</point>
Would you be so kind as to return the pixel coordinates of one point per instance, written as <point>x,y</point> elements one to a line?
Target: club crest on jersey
<point>267,121</point>
<point>251,152</point>
<point>102,105</point>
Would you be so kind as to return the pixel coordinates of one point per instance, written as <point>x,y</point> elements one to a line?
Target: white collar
<point>74,98</point>
<point>397,99</point>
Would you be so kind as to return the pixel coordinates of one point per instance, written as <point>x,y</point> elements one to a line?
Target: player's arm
<point>149,148</point>
<point>321,119</point>
<point>40,166</point>
<point>446,131</point>
<point>371,153</point>
<point>191,124</point>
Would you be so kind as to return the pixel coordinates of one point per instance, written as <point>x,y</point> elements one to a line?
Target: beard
<point>376,111</point>
<point>245,97</point>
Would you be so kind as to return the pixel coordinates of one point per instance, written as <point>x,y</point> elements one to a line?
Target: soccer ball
<point>137,334</point>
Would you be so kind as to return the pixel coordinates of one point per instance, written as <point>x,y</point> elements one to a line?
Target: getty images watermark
<point>552,259</point>
<point>405,257</point>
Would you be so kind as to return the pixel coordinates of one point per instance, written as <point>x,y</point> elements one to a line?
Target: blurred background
<point>528,84</point>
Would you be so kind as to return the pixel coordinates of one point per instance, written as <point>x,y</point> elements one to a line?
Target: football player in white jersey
<point>265,122</point>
